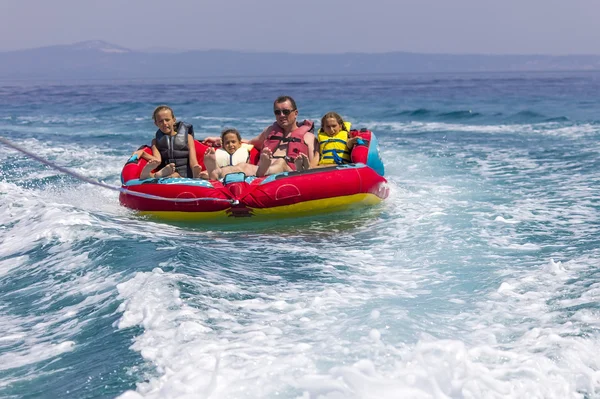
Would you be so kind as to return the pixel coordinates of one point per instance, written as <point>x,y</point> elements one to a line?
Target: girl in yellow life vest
<point>334,144</point>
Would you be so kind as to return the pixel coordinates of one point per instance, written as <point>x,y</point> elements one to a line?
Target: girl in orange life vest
<point>334,144</point>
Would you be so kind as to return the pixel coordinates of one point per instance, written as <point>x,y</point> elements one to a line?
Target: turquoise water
<point>478,276</point>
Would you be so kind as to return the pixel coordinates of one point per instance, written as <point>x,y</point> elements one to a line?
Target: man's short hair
<point>282,99</point>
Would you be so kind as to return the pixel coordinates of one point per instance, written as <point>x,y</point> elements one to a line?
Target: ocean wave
<point>582,130</point>
<point>528,115</point>
<point>423,112</point>
<point>467,114</point>
<point>488,116</point>
<point>558,119</point>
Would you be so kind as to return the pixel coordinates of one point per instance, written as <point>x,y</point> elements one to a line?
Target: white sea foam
<point>547,128</point>
<point>215,118</point>
<point>223,349</point>
<point>503,220</point>
<point>274,336</point>
<point>39,239</point>
<point>59,120</point>
<point>34,354</point>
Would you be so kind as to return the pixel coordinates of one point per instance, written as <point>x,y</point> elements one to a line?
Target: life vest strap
<point>336,151</point>
<point>332,141</point>
<point>287,159</point>
<point>337,159</point>
<point>285,139</point>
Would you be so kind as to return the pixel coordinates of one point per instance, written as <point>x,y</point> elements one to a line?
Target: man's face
<point>165,121</point>
<point>283,120</point>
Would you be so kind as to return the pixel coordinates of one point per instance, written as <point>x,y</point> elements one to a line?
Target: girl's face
<point>165,121</point>
<point>331,127</point>
<point>231,143</point>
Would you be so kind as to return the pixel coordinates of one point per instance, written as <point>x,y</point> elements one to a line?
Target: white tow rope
<point>100,184</point>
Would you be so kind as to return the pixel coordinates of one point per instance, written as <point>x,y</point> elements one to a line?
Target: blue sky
<point>310,26</point>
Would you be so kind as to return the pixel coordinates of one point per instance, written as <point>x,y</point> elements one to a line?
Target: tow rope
<point>104,185</point>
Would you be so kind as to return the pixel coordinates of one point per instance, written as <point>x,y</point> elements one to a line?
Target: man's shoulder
<point>309,135</point>
<point>266,131</point>
<point>311,140</point>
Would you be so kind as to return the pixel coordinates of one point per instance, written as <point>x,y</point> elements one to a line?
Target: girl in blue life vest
<point>335,145</point>
<point>174,144</point>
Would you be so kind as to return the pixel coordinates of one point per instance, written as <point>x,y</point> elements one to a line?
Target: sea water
<point>477,278</point>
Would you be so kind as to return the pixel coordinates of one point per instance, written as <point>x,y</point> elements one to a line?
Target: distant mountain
<point>98,59</point>
<point>98,46</point>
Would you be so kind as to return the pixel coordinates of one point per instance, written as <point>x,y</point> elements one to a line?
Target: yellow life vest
<point>334,148</point>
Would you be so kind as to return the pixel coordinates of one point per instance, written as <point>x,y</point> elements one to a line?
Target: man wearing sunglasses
<point>280,145</point>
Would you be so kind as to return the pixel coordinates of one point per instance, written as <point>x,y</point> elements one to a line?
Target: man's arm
<point>259,140</point>
<point>313,149</point>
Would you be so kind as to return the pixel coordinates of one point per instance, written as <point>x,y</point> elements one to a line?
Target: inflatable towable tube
<point>288,194</point>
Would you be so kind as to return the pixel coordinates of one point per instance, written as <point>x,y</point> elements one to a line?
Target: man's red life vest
<point>295,141</point>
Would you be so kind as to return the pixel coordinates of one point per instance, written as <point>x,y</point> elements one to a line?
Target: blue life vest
<point>175,149</point>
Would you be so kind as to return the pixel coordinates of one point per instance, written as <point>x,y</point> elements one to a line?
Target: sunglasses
<point>285,112</point>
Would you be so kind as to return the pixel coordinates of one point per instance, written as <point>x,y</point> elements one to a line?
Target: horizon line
<point>159,49</point>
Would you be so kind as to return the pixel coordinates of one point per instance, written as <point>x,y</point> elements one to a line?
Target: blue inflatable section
<point>373,157</point>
